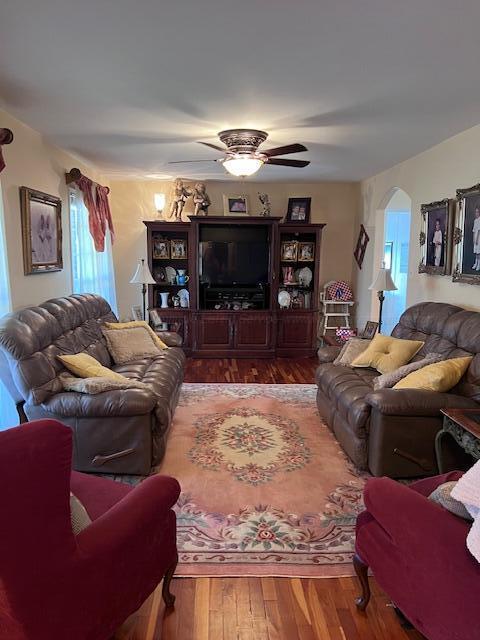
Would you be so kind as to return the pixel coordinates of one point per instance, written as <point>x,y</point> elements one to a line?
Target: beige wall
<point>33,162</point>
<point>335,204</point>
<point>432,175</point>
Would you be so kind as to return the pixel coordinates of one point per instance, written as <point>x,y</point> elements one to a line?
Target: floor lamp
<point>143,276</point>
<point>383,282</point>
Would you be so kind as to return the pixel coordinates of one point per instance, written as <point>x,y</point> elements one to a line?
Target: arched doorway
<point>396,250</point>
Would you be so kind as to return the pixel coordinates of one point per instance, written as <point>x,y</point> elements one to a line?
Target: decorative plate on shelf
<point>171,275</point>
<point>284,299</point>
<point>305,276</point>
<point>184,298</point>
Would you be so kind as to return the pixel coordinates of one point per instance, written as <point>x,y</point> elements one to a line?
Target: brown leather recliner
<point>121,431</point>
<point>392,432</point>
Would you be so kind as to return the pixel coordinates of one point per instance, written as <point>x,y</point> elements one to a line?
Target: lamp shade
<point>383,281</point>
<point>142,275</point>
<point>159,199</point>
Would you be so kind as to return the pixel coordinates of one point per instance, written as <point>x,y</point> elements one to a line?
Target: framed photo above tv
<point>436,237</point>
<point>466,236</point>
<point>41,231</point>
<point>298,210</point>
<point>235,205</point>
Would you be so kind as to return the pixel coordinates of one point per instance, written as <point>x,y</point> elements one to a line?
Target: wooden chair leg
<point>361,569</point>
<point>167,596</point>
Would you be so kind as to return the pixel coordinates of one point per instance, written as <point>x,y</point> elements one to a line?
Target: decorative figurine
<point>266,206</point>
<point>201,199</point>
<point>180,195</point>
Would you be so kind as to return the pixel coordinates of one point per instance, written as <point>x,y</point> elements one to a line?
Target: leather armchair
<point>55,584</point>
<point>417,552</point>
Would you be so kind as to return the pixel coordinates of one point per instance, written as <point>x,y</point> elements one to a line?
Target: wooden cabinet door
<point>214,331</point>
<point>253,331</point>
<point>295,330</point>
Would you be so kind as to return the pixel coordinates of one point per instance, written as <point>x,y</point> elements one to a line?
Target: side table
<point>457,444</point>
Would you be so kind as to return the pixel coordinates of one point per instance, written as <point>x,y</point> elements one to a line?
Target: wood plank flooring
<point>263,608</point>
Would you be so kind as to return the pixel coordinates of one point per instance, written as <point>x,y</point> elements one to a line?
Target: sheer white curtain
<point>92,271</point>
<point>8,413</point>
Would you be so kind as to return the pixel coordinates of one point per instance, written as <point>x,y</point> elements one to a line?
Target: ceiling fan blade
<point>285,150</point>
<point>183,161</point>
<point>284,162</point>
<point>214,146</point>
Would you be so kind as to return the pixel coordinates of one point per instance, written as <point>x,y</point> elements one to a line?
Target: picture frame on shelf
<point>436,237</point>
<point>137,313</point>
<point>155,318</point>
<point>289,251</point>
<point>361,246</point>
<point>306,252</point>
<point>41,215</point>
<point>369,330</point>
<point>178,249</point>
<point>298,210</point>
<point>161,248</point>
<point>466,236</point>
<point>235,205</point>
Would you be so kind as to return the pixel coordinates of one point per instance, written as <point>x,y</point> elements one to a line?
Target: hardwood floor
<point>264,608</point>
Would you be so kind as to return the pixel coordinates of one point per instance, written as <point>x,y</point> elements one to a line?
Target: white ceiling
<point>130,85</point>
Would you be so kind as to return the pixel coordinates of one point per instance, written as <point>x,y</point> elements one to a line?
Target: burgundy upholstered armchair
<point>54,585</point>
<point>417,552</point>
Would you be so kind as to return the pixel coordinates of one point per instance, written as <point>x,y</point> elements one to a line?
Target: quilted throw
<point>467,491</point>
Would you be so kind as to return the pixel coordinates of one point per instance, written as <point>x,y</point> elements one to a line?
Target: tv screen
<point>234,255</point>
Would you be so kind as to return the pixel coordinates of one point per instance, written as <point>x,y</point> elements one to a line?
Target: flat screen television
<point>234,255</point>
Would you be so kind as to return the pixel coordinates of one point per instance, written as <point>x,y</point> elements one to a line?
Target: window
<point>8,414</point>
<point>92,272</point>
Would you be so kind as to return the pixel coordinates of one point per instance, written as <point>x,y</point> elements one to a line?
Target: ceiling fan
<point>242,157</point>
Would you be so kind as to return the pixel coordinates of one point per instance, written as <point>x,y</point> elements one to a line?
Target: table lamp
<point>143,276</point>
<point>383,282</point>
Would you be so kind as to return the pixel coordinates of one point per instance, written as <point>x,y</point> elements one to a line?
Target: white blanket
<point>467,491</point>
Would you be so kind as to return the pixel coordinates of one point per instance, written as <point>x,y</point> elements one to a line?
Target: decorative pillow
<point>85,366</point>
<point>388,380</point>
<point>385,354</point>
<point>138,323</point>
<point>442,496</point>
<point>441,376</point>
<point>78,515</point>
<point>350,350</point>
<point>130,344</point>
<point>98,385</point>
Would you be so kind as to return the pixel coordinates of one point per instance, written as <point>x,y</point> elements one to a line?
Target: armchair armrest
<point>411,519</point>
<point>128,402</point>
<point>328,354</point>
<point>129,519</point>
<point>170,338</point>
<point>416,402</point>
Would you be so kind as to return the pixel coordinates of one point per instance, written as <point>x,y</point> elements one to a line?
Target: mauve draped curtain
<point>95,198</point>
<point>6,137</point>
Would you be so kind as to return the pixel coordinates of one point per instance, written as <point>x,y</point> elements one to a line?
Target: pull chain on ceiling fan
<point>242,157</point>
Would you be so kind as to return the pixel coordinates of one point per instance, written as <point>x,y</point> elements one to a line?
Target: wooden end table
<point>459,439</point>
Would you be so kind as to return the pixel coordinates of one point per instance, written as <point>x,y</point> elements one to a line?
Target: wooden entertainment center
<point>238,320</point>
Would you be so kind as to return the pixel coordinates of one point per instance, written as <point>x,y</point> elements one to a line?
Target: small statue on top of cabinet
<point>180,195</point>
<point>201,199</point>
<point>266,206</point>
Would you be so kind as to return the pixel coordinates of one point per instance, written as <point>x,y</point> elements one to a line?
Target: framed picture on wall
<point>41,231</point>
<point>436,237</point>
<point>466,236</point>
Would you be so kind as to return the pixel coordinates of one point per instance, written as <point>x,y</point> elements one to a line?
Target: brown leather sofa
<point>392,432</point>
<point>121,431</point>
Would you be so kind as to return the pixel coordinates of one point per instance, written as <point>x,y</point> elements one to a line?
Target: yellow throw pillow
<point>441,376</point>
<point>137,323</point>
<point>85,366</point>
<point>386,354</point>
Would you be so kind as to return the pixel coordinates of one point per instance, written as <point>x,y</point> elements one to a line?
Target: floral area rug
<point>266,489</point>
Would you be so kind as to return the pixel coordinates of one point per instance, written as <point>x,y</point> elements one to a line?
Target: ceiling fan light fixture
<point>242,165</point>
